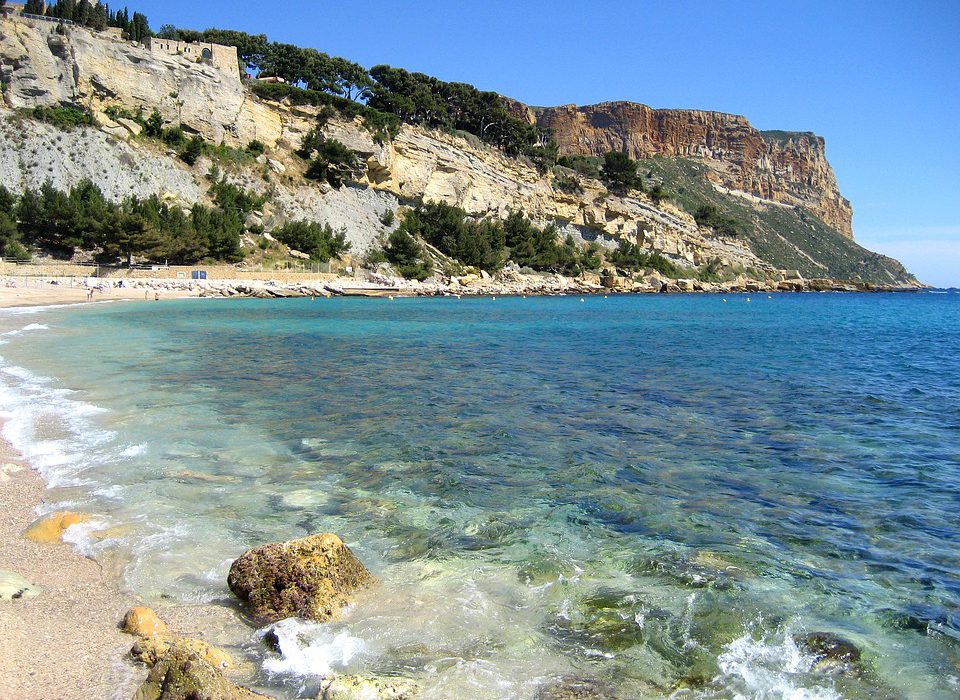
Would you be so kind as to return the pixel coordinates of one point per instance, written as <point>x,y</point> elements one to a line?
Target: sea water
<point>658,493</point>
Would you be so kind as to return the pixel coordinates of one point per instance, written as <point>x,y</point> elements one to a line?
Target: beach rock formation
<point>50,529</point>
<point>13,586</point>
<point>183,674</point>
<point>360,688</point>
<point>150,650</point>
<point>143,622</point>
<point>311,577</point>
<point>833,654</point>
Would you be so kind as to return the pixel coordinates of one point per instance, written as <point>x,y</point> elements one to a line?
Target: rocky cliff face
<point>39,66</point>
<point>786,167</point>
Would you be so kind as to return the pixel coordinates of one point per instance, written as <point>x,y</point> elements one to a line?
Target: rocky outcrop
<point>43,67</point>
<point>150,650</point>
<point>832,654</point>
<point>787,167</point>
<point>183,674</point>
<point>313,578</point>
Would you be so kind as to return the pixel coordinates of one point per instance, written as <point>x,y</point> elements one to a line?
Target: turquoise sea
<point>658,492</point>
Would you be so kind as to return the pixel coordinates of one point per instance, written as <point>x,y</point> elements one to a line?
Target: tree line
<point>82,219</point>
<point>95,15</point>
<point>484,244</point>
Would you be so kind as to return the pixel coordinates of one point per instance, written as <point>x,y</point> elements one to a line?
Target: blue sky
<point>879,80</point>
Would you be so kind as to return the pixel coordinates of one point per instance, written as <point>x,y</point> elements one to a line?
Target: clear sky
<point>879,80</point>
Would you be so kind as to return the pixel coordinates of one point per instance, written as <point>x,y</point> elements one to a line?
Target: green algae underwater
<point>659,494</point>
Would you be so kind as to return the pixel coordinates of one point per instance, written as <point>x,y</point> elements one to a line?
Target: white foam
<point>769,668</point>
<point>309,649</point>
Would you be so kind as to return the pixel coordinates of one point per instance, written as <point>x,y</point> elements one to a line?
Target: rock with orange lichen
<point>143,622</point>
<point>312,578</point>
<point>50,529</point>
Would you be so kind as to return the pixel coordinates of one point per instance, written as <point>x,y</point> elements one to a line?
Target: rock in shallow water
<point>49,530</point>
<point>185,675</point>
<point>577,688</point>
<point>13,586</point>
<point>360,688</point>
<point>833,654</point>
<point>312,578</point>
<point>152,650</point>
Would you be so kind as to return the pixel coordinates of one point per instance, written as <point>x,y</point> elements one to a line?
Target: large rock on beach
<point>360,688</point>
<point>185,675</point>
<point>143,622</point>
<point>152,650</point>
<point>312,578</point>
<point>50,529</point>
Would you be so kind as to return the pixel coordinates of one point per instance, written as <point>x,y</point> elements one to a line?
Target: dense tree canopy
<point>82,219</point>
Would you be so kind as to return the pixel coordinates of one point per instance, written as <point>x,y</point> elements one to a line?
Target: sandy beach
<point>44,294</point>
<point>65,642</point>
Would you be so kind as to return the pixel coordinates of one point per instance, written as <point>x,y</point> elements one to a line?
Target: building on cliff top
<point>222,57</point>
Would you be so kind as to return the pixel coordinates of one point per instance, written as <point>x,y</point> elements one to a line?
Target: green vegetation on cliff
<point>786,237</point>
<point>488,244</point>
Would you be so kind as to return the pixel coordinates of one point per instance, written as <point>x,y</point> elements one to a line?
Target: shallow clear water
<point>655,491</point>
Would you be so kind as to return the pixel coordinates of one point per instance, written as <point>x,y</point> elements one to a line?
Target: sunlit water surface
<point>657,492</point>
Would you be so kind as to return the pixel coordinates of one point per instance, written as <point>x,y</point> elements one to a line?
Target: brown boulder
<point>143,622</point>
<point>49,530</point>
<point>151,650</point>
<point>312,578</point>
<point>185,675</point>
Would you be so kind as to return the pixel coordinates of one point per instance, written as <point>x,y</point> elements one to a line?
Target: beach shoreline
<point>64,642</point>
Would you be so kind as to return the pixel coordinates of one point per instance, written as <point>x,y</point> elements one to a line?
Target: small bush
<point>387,218</point>
<point>65,118</point>
<point>256,147</point>
<point>192,151</point>
<point>710,216</point>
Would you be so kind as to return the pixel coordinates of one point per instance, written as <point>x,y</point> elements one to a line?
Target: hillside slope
<point>40,66</point>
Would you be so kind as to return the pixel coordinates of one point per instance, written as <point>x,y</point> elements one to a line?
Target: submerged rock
<point>49,530</point>
<point>13,586</point>
<point>152,650</point>
<point>833,654</point>
<point>143,622</point>
<point>360,688</point>
<point>312,578</point>
<point>185,675</point>
<point>577,688</point>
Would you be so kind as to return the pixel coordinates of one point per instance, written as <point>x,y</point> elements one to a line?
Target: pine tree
<point>33,7</point>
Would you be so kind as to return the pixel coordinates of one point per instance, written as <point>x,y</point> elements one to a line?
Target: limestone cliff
<point>40,66</point>
<point>787,167</point>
